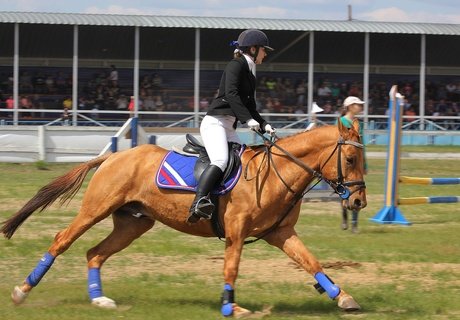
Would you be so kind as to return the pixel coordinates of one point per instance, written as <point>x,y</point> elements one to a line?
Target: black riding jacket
<point>236,93</point>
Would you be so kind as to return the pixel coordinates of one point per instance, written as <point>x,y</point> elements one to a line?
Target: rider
<point>235,102</point>
<point>352,106</point>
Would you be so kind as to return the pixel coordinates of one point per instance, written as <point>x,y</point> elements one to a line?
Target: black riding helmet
<point>253,37</point>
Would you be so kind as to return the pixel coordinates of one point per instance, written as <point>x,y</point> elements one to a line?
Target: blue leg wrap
<point>228,298</point>
<point>94,283</point>
<point>326,285</point>
<point>42,267</point>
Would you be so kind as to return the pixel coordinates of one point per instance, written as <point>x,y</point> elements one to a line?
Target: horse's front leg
<point>287,240</point>
<point>233,248</point>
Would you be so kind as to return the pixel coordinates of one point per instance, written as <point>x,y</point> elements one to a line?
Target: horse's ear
<point>356,125</point>
<point>342,129</point>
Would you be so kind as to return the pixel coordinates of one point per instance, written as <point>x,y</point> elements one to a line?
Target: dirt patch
<point>283,270</point>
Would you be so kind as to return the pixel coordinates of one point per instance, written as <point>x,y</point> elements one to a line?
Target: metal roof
<point>228,23</point>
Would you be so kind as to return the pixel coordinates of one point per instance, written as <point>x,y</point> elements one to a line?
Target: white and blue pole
<point>390,213</point>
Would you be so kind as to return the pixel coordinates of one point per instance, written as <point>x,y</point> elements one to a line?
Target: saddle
<point>194,146</point>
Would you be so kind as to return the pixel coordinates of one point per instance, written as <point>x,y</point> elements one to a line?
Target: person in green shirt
<point>352,106</point>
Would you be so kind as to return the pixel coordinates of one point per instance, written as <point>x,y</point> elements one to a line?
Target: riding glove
<point>269,129</point>
<point>253,125</point>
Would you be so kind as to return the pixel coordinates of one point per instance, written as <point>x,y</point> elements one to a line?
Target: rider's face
<point>260,55</point>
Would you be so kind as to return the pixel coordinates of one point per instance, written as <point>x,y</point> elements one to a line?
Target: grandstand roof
<point>228,23</point>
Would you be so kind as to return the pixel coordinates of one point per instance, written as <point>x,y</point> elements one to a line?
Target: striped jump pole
<point>427,181</point>
<point>390,213</point>
<point>429,200</point>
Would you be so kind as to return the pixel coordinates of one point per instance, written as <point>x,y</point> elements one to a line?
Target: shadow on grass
<point>316,307</point>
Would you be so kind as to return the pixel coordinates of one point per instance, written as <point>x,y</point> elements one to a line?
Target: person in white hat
<point>352,106</point>
<point>314,110</point>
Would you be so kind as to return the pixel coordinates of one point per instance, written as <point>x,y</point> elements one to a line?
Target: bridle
<point>339,186</point>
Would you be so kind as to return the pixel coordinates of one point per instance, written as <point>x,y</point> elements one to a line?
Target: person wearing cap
<point>234,102</point>
<point>314,110</point>
<point>352,106</point>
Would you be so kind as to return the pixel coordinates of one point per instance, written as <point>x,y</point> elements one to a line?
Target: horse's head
<point>345,167</point>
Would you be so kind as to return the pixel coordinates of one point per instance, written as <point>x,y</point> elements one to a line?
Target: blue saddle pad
<point>176,172</point>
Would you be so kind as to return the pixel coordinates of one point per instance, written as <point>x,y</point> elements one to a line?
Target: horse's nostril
<point>357,203</point>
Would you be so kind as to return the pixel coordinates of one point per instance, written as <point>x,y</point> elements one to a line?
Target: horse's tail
<point>65,187</point>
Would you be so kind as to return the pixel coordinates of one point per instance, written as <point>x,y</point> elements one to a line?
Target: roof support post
<point>421,102</point>
<point>311,59</point>
<point>16,75</point>
<point>136,71</point>
<point>75,76</point>
<point>196,82</point>
<point>366,79</point>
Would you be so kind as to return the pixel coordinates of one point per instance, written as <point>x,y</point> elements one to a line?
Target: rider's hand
<point>269,129</point>
<point>253,125</point>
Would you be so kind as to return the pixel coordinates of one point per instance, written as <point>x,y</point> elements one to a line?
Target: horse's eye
<point>350,161</point>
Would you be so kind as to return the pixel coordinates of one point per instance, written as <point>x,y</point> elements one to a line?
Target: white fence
<point>53,144</point>
<point>79,144</point>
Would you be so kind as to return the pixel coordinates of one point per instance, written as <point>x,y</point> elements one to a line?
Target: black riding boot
<point>202,207</point>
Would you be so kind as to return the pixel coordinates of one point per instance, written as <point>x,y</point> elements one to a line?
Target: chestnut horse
<point>123,186</point>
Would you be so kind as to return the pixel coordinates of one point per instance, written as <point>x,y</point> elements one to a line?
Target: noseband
<point>340,187</point>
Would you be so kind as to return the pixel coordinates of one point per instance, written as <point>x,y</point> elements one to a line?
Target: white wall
<point>53,144</point>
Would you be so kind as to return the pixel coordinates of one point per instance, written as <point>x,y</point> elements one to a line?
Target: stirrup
<point>202,208</point>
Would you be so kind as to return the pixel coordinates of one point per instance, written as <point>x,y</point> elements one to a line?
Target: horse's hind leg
<point>287,240</point>
<point>62,241</point>
<point>127,228</point>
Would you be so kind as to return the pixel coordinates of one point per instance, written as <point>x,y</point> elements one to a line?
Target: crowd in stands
<point>107,89</point>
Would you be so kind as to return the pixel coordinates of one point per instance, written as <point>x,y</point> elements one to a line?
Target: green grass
<point>398,272</point>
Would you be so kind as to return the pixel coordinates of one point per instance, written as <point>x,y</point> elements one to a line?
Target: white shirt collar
<point>251,63</point>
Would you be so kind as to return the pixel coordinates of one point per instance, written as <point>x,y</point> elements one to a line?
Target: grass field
<point>394,272</point>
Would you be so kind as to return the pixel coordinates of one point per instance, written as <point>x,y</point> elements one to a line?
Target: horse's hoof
<point>104,302</point>
<point>354,229</point>
<point>347,303</point>
<point>18,296</point>
<point>344,226</point>
<point>239,312</point>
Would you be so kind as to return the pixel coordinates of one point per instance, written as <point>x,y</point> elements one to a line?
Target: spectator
<point>25,83</point>
<point>9,102</point>
<point>49,83</point>
<point>441,108</point>
<point>131,107</point>
<point>122,103</point>
<point>39,83</point>
<point>157,83</point>
<point>324,91</point>
<point>300,91</point>
<point>149,103</point>
<point>271,87</point>
<point>159,104</point>
<point>204,104</point>
<point>67,103</point>
<point>352,106</point>
<point>113,76</point>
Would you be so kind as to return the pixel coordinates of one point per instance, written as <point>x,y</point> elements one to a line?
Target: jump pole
<point>390,213</point>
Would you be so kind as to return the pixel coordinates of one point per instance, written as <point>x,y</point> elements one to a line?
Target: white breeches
<point>216,131</point>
